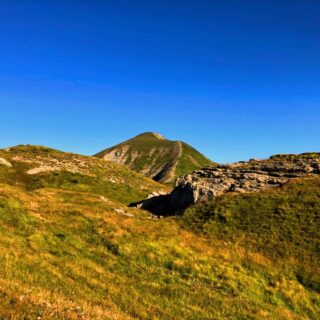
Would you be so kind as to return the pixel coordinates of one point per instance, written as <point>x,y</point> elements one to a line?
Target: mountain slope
<point>280,223</point>
<point>35,167</point>
<point>156,157</point>
<point>71,249</point>
<point>283,220</point>
<point>69,255</point>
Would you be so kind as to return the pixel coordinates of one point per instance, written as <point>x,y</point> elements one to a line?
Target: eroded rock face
<point>5,162</point>
<point>251,176</point>
<point>244,176</point>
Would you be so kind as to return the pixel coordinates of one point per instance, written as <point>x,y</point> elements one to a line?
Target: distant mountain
<point>156,157</point>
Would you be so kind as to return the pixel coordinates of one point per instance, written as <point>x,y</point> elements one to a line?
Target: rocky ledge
<point>244,176</point>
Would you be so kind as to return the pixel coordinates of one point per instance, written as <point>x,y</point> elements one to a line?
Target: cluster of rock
<point>5,162</point>
<point>251,176</point>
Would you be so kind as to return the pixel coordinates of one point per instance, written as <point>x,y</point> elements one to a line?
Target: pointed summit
<point>149,135</point>
<point>156,157</point>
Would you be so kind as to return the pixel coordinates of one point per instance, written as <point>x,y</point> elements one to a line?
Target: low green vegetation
<point>66,254</point>
<point>159,158</point>
<point>306,155</point>
<point>191,160</point>
<point>73,172</point>
<point>70,248</point>
<point>282,224</point>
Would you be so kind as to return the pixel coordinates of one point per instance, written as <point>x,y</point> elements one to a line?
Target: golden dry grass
<point>70,248</point>
<point>72,256</point>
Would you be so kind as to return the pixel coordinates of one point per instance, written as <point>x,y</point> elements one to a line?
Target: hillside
<point>35,167</point>
<point>285,220</point>
<point>70,248</point>
<point>156,157</point>
<point>280,223</point>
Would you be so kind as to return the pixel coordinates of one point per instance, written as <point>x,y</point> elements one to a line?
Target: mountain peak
<point>150,135</point>
<point>156,157</point>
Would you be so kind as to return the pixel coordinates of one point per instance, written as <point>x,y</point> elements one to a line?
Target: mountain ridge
<point>155,156</point>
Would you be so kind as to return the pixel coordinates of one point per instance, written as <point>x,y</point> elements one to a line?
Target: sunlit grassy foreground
<point>70,249</point>
<point>70,254</point>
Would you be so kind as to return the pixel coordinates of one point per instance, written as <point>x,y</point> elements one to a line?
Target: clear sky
<point>236,79</point>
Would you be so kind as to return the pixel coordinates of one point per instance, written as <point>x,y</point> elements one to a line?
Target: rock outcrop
<point>6,163</point>
<point>251,176</point>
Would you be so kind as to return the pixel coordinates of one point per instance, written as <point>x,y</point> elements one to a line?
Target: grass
<point>161,154</point>
<point>70,252</point>
<point>306,155</point>
<point>283,221</point>
<point>74,172</point>
<point>191,160</point>
<point>282,224</point>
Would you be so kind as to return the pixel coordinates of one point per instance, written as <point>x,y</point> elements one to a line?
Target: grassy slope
<point>67,253</point>
<point>283,221</point>
<point>167,152</point>
<point>190,161</point>
<point>78,173</point>
<point>282,224</point>
<point>143,145</point>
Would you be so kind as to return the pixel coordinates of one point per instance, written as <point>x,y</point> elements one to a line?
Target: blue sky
<point>236,79</point>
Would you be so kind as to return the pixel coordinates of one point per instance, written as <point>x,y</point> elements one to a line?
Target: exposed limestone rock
<point>41,169</point>
<point>158,135</point>
<point>5,163</point>
<point>250,176</point>
<point>118,155</point>
<point>123,212</point>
